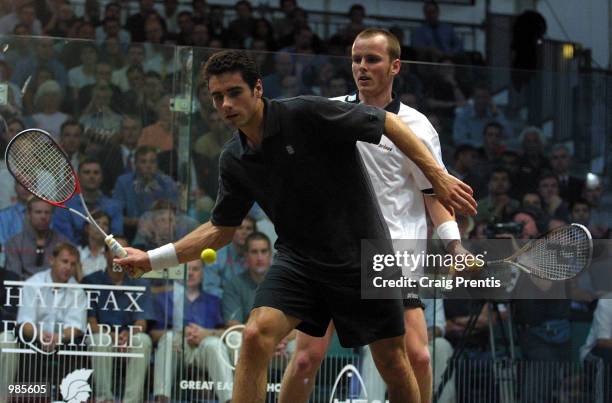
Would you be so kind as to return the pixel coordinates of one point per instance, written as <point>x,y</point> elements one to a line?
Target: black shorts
<point>412,300</point>
<point>317,295</point>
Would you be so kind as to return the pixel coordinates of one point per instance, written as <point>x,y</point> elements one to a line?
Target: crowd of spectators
<point>103,94</point>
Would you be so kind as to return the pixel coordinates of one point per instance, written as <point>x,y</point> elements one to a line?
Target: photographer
<point>498,205</point>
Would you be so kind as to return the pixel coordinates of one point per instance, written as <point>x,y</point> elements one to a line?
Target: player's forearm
<point>437,212</point>
<point>408,143</point>
<point>205,236</point>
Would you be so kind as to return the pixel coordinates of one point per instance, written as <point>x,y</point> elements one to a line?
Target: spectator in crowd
<point>53,315</point>
<point>43,57</point>
<point>356,15</point>
<point>19,45</point>
<point>92,246</point>
<point>284,25</point>
<point>69,56</point>
<point>239,293</point>
<point>161,225</point>
<point>84,74</point>
<point>215,23</point>
<point>100,121</point>
<point>492,147</point>
<point>464,168</point>
<point>283,66</point>
<point>601,219</point>
<point>159,134</point>
<point>200,37</point>
<point>137,190</point>
<point>111,29</point>
<point>498,206</point>
<point>230,260</point>
<point>303,51</point>
<point>169,14</point>
<point>336,87</point>
<point>533,160</point>
<point>201,12</point>
<point>532,200</point>
<point>7,191</point>
<point>198,316</point>
<point>144,100</point>
<point>570,187</point>
<point>554,205</point>
<point>199,118</point>
<point>25,13</point>
<point>42,75</point>
<point>471,119</point>
<point>599,340</point>
<point>135,23</point>
<point>104,72</point>
<point>444,93</point>
<point>30,250</point>
<point>128,143</point>
<point>14,104</point>
<point>263,30</point>
<point>580,212</point>
<point>135,57</point>
<point>434,39</point>
<point>207,150</point>
<point>72,141</point>
<point>129,313</point>
<point>244,25</point>
<point>511,161</point>
<point>12,217</point>
<point>90,176</point>
<point>63,20</point>
<point>47,102</point>
<point>185,25</point>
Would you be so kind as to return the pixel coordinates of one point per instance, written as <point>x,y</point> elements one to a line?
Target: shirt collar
<point>393,106</point>
<point>271,127</point>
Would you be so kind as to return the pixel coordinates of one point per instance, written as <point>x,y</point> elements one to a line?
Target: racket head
<point>40,165</point>
<point>560,254</point>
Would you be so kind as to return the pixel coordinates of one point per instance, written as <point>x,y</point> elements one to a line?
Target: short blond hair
<point>393,46</point>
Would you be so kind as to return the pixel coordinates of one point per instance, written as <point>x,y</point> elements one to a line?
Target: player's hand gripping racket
<point>40,165</point>
<point>560,254</point>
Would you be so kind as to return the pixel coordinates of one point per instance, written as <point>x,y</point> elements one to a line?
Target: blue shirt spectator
<point>43,57</point>
<point>204,311</point>
<point>471,119</point>
<point>230,260</point>
<point>11,221</point>
<point>436,35</point>
<point>138,190</point>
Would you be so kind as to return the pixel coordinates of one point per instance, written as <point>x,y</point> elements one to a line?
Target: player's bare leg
<point>392,363</point>
<point>299,377</point>
<point>418,352</point>
<point>265,328</point>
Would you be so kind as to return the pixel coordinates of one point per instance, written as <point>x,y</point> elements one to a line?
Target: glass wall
<point>139,127</point>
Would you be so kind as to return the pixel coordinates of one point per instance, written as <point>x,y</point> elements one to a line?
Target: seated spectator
<point>215,22</point>
<point>230,260</point>
<point>19,46</point>
<point>554,205</point>
<point>511,161</point>
<point>533,161</point>
<point>111,29</point>
<point>533,201</point>
<point>43,57</point>
<point>30,251</point>
<point>580,212</point>
<point>185,28</point>
<point>63,20</point>
<point>570,187</point>
<point>61,312</point>
<point>200,116</point>
<point>197,322</point>
<point>104,72</point>
<point>23,14</point>
<point>200,36</point>
<point>498,206</point>
<point>130,313</point>
<point>100,121</point>
<point>47,103</point>
<point>601,219</point>
<point>207,150</point>
<point>137,190</point>
<point>135,57</point>
<point>464,168</point>
<point>69,224</point>
<point>284,25</point>
<point>146,90</point>
<point>92,246</point>
<point>169,14</point>
<point>244,25</point>
<point>434,39</point>
<point>305,45</point>
<point>72,141</point>
<point>12,217</point>
<point>336,87</point>
<point>492,147</point>
<point>471,119</point>
<point>356,15</point>
<point>263,31</point>
<point>283,67</point>
<point>159,134</point>
<point>7,191</point>
<point>135,23</point>
<point>84,74</point>
<point>161,225</point>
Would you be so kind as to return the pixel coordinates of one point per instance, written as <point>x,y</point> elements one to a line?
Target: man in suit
<point>570,187</point>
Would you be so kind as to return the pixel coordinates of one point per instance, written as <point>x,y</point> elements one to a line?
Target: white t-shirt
<point>601,327</point>
<point>51,123</point>
<point>78,79</point>
<point>397,181</point>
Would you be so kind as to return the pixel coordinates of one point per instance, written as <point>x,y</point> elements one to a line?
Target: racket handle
<point>118,251</point>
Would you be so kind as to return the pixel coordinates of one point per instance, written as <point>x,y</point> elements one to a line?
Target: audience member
<point>135,23</point>
<point>100,121</point>
<point>244,25</point>
<point>553,204</point>
<point>159,134</point>
<point>85,73</point>
<point>443,92</point>
<point>284,67</point>
<point>196,319</point>
<point>471,118</point>
<point>30,251</point>
<point>498,206</point>
<point>570,187</point>
<point>161,225</point>
<point>104,73</point>
<point>72,141</point>
<point>185,25</point>
<point>284,25</point>
<point>24,14</point>
<point>533,161</point>
<point>7,190</point>
<point>601,219</point>
<point>230,260</point>
<point>135,57</point>
<point>47,102</point>
<point>434,39</point>
<point>92,246</point>
<point>464,168</point>
<point>138,190</point>
<point>43,57</point>
<point>63,20</point>
<point>356,15</point>
<point>12,217</point>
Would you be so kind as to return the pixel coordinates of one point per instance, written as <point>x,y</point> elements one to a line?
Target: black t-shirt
<point>308,177</point>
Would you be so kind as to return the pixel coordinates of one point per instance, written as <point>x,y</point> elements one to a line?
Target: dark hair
<point>493,124</point>
<point>232,61</point>
<point>546,175</point>
<point>257,236</point>
<point>460,149</point>
<point>356,7</point>
<point>500,169</point>
<point>70,122</point>
<point>67,246</point>
<point>97,214</point>
<point>579,201</point>
<point>185,12</point>
<point>245,3</point>
<point>144,150</point>
<point>431,3</point>
<point>90,160</point>
<point>135,67</point>
<point>32,200</point>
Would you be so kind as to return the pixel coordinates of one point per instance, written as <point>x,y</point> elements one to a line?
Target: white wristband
<point>163,257</point>
<point>448,232</point>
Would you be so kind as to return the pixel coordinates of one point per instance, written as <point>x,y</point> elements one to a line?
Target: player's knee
<point>307,362</point>
<point>420,359</point>
<point>257,337</point>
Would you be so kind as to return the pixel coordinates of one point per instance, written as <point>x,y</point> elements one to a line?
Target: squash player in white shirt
<point>403,194</point>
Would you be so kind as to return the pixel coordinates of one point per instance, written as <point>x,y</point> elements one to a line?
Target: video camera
<point>513,228</point>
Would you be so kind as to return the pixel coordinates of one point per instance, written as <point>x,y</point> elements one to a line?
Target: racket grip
<point>115,247</point>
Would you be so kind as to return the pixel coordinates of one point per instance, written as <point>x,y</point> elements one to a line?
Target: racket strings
<point>560,255</point>
<point>41,167</point>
